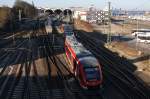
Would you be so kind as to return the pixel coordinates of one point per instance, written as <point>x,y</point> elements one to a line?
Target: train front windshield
<point>92,73</point>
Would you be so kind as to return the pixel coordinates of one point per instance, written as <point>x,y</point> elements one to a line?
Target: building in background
<point>118,12</point>
<point>80,14</point>
<point>139,15</point>
<point>91,15</point>
<point>97,16</point>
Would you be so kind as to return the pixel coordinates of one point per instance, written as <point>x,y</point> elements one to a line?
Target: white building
<point>82,15</point>
<point>141,17</point>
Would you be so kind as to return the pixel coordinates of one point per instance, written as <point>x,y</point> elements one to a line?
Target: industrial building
<point>92,15</point>
<point>97,16</point>
<point>81,14</point>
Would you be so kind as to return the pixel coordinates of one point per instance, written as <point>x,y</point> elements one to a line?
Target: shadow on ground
<point>139,59</point>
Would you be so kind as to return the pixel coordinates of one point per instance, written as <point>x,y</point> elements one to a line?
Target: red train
<point>83,64</point>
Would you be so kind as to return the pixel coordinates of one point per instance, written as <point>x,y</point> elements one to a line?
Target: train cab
<point>83,64</point>
<point>91,71</point>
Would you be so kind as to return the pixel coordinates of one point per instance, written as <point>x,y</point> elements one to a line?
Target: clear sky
<point>124,4</point>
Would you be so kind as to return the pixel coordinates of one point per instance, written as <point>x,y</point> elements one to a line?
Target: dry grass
<point>125,27</point>
<point>125,49</point>
<point>82,25</point>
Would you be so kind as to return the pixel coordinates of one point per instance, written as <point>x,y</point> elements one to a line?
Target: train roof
<point>141,30</point>
<point>89,61</point>
<point>85,56</point>
<point>147,34</point>
<point>77,46</point>
<point>68,28</point>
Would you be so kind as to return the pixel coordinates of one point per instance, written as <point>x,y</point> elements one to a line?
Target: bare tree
<point>28,10</point>
<point>5,16</point>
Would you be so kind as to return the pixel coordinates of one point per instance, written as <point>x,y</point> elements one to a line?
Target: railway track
<point>20,84</point>
<point>9,80</point>
<point>71,85</point>
<point>122,78</point>
<point>65,75</point>
<point>16,59</point>
<point>12,56</point>
<point>23,78</point>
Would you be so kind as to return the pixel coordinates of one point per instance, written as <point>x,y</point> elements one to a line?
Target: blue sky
<point>124,4</point>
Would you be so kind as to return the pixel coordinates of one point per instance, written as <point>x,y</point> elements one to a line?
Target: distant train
<point>142,35</point>
<point>84,65</point>
<point>48,25</point>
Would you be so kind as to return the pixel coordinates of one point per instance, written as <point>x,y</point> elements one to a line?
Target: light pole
<point>137,27</point>
<point>109,24</point>
<point>20,12</point>
<point>11,27</point>
<point>149,61</point>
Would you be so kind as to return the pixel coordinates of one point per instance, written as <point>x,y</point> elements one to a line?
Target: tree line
<point>9,16</point>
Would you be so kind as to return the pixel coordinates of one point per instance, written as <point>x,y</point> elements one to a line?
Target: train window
<point>92,73</point>
<point>144,38</point>
<point>90,66</point>
<point>68,33</point>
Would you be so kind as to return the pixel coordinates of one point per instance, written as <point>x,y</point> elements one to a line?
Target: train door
<point>74,66</point>
<point>77,71</point>
<point>80,75</point>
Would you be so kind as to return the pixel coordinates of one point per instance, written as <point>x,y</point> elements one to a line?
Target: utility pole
<point>32,3</point>
<point>149,62</point>
<point>68,16</point>
<point>137,27</point>
<point>109,24</point>
<point>149,57</point>
<point>12,23</point>
<point>20,12</point>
